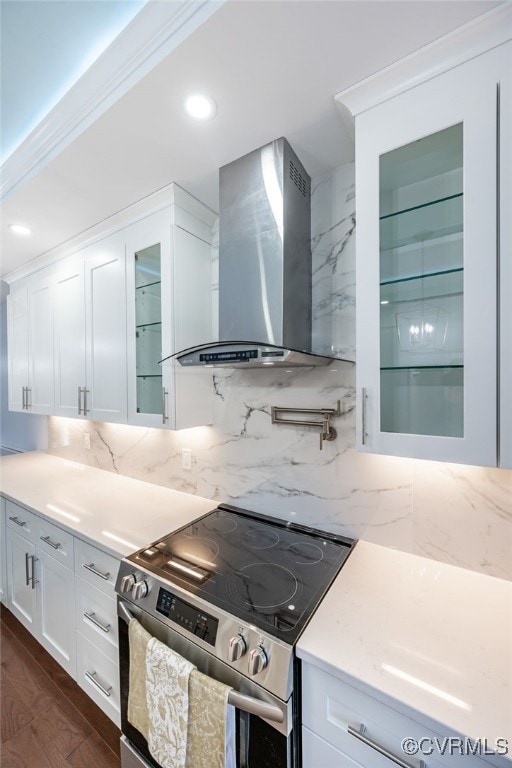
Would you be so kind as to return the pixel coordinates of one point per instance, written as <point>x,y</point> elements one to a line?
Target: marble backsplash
<point>456,514</point>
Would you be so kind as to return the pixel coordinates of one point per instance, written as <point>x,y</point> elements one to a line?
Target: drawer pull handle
<point>92,618</point>
<point>359,734</point>
<point>27,572</point>
<point>90,567</point>
<point>53,544</point>
<point>19,522</point>
<point>92,677</point>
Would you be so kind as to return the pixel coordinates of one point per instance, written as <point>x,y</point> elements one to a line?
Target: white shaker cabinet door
<point>70,379</point>
<point>21,556</point>
<point>56,607</point>
<point>17,325</point>
<point>105,301</point>
<point>506,269</point>
<point>40,394</point>
<point>3,554</point>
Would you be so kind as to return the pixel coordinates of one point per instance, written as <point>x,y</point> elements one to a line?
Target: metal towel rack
<point>327,430</point>
<point>239,700</point>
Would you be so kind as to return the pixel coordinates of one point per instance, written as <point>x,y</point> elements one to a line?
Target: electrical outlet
<point>186,458</point>
<point>87,441</point>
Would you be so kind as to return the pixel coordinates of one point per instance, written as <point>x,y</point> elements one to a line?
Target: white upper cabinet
<point>17,343</point>
<point>169,289</point>
<point>505,242</point>
<point>69,345</point>
<point>427,267</point>
<point>88,331</point>
<point>105,396</point>
<point>30,343</point>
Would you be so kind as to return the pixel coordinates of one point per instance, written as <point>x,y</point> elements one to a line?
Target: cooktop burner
<point>262,570</point>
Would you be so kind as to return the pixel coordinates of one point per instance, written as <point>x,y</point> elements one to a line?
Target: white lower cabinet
<point>317,752</point>
<point>3,553</point>
<point>62,590</point>
<point>40,587</point>
<point>96,627</point>
<point>98,675</point>
<point>344,727</point>
<point>96,617</point>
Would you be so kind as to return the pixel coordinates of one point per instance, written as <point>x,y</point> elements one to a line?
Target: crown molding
<point>153,34</point>
<point>478,36</point>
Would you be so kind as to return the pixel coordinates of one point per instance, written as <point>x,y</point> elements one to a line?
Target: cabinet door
<point>105,302</point>
<point>17,341</point>
<point>40,312</point>
<point>69,337</point>
<point>3,555</point>
<point>56,608</point>
<point>149,318</point>
<point>20,582</point>
<point>316,752</point>
<point>426,270</point>
<point>506,268</point>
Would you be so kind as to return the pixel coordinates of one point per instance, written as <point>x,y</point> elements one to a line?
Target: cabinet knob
<point>258,660</point>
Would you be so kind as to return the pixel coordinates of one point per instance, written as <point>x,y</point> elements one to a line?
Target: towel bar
<point>239,700</point>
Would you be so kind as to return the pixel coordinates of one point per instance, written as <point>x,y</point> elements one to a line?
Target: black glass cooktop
<point>264,571</point>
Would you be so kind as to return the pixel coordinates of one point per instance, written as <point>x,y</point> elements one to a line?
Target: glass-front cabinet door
<point>149,328</point>
<point>427,266</point>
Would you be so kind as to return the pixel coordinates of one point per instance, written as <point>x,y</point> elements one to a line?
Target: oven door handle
<point>239,700</point>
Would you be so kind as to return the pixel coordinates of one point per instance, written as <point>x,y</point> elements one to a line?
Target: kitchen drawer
<point>55,541</point>
<point>329,707</point>
<point>316,752</point>
<point>20,520</point>
<point>96,567</point>
<point>99,677</point>
<point>96,617</point>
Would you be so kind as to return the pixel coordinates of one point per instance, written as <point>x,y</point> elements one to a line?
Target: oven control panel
<point>188,616</point>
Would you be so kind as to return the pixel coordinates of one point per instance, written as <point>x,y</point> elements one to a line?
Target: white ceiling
<point>273,69</point>
<point>46,46</point>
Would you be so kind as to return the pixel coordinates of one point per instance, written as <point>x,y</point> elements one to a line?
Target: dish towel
<point>137,707</point>
<point>211,724</point>
<point>167,680</point>
<point>183,715</point>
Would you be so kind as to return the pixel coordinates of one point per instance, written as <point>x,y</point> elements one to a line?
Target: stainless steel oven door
<point>265,736</point>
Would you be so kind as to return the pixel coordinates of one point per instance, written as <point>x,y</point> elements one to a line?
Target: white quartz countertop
<point>119,514</point>
<point>432,636</point>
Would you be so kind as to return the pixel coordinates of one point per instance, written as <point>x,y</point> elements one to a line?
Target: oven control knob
<point>127,583</point>
<point>236,648</point>
<point>140,589</point>
<point>258,660</point>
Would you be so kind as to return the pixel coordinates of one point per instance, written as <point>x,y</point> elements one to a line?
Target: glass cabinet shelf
<point>420,367</point>
<point>147,285</point>
<point>148,325</point>
<point>149,376</point>
<point>422,223</point>
<point>421,277</point>
<point>422,288</point>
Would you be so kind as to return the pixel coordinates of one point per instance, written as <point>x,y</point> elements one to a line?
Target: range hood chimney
<point>264,264</point>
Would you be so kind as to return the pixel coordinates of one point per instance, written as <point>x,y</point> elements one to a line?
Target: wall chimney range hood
<point>264,265</point>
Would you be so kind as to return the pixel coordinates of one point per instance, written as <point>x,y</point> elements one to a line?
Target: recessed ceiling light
<point>20,229</point>
<point>200,107</point>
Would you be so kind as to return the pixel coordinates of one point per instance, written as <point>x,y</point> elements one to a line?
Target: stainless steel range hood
<point>264,264</point>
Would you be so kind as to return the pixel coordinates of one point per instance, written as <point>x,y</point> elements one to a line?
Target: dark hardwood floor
<point>47,721</point>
